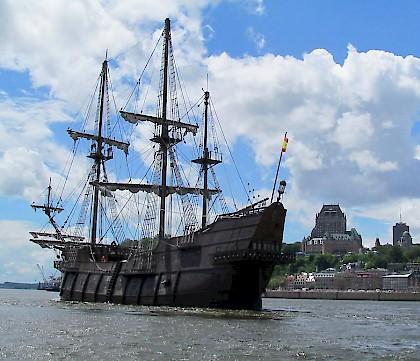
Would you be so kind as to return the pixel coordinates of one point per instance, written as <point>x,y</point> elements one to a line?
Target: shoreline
<point>344,295</point>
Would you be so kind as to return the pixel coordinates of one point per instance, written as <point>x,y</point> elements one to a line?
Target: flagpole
<point>278,168</point>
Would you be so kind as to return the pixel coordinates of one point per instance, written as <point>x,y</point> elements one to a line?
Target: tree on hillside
<point>324,261</point>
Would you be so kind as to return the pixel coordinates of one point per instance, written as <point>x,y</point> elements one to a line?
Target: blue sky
<point>297,27</point>
<point>342,77</point>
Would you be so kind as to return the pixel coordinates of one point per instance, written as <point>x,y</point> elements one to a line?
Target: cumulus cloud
<point>367,163</point>
<point>348,124</point>
<point>389,211</point>
<point>30,153</point>
<point>14,239</point>
<point>61,43</point>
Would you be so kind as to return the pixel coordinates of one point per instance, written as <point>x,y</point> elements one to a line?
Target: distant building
<point>402,282</point>
<point>414,267</point>
<point>398,231</point>
<point>299,281</point>
<point>330,219</point>
<point>324,280</point>
<point>330,235</point>
<point>405,240</point>
<point>359,280</point>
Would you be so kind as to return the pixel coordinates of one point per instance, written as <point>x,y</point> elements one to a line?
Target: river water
<point>35,325</point>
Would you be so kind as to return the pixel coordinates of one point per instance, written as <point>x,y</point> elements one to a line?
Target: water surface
<point>35,325</point>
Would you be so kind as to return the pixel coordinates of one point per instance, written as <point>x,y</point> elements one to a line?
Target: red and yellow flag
<point>284,146</point>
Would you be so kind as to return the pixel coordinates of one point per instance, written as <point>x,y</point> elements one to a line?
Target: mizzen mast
<point>206,161</point>
<point>49,210</point>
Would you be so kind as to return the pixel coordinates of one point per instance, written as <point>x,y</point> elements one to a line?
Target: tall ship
<point>127,243</point>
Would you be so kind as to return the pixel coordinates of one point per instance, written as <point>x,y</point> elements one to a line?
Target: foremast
<point>101,150</point>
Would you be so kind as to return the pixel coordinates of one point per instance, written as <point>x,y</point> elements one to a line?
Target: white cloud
<point>353,130</point>
<point>343,120</point>
<point>389,211</point>
<point>349,125</point>
<point>417,152</point>
<point>61,43</point>
<point>367,163</point>
<point>257,38</point>
<point>259,7</point>
<point>18,256</point>
<point>29,151</point>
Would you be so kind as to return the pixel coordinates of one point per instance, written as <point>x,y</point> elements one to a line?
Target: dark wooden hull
<point>226,265</point>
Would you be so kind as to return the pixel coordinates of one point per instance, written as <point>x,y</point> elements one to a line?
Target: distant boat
<point>51,283</point>
<point>225,261</point>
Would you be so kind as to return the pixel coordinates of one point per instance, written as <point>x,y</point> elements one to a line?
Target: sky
<point>341,77</point>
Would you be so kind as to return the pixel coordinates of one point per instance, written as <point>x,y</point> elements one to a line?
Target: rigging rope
<point>141,75</point>
<point>230,152</point>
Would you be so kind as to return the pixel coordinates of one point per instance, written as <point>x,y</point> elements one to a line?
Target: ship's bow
<point>253,264</point>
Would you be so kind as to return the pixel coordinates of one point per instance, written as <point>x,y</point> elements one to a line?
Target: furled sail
<point>135,118</point>
<point>55,235</point>
<point>120,145</point>
<point>151,188</point>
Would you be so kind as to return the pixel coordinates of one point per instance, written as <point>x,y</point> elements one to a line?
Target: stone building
<point>405,240</point>
<point>330,219</point>
<point>330,235</point>
<point>359,280</point>
<point>324,280</point>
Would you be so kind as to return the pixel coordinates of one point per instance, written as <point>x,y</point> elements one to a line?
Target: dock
<point>344,295</point>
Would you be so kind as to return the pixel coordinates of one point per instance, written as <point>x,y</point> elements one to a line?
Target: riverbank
<point>344,295</point>
<point>18,286</point>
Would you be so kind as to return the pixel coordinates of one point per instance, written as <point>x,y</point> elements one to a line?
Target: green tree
<point>396,255</point>
<point>324,261</point>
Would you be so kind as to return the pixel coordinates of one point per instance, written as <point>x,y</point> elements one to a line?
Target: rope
<point>141,75</point>
<point>230,153</point>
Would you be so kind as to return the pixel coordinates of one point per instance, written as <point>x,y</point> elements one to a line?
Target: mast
<point>205,161</point>
<point>164,132</point>
<point>49,210</point>
<point>205,157</point>
<point>98,156</point>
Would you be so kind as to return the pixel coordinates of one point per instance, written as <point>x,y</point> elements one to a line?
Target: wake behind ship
<point>224,260</point>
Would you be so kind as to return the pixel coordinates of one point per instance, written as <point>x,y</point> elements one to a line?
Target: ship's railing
<point>69,261</point>
<point>142,261</point>
<point>255,255</point>
<point>242,213</point>
<point>266,246</point>
<point>188,237</point>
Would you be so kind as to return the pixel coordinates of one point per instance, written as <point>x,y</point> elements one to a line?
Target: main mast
<point>164,137</point>
<point>98,156</point>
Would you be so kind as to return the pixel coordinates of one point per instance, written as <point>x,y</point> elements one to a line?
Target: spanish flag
<point>284,146</point>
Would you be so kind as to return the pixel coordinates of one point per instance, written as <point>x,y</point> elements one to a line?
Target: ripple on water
<point>35,326</point>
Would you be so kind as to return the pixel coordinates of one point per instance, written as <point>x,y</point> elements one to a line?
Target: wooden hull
<point>226,265</point>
